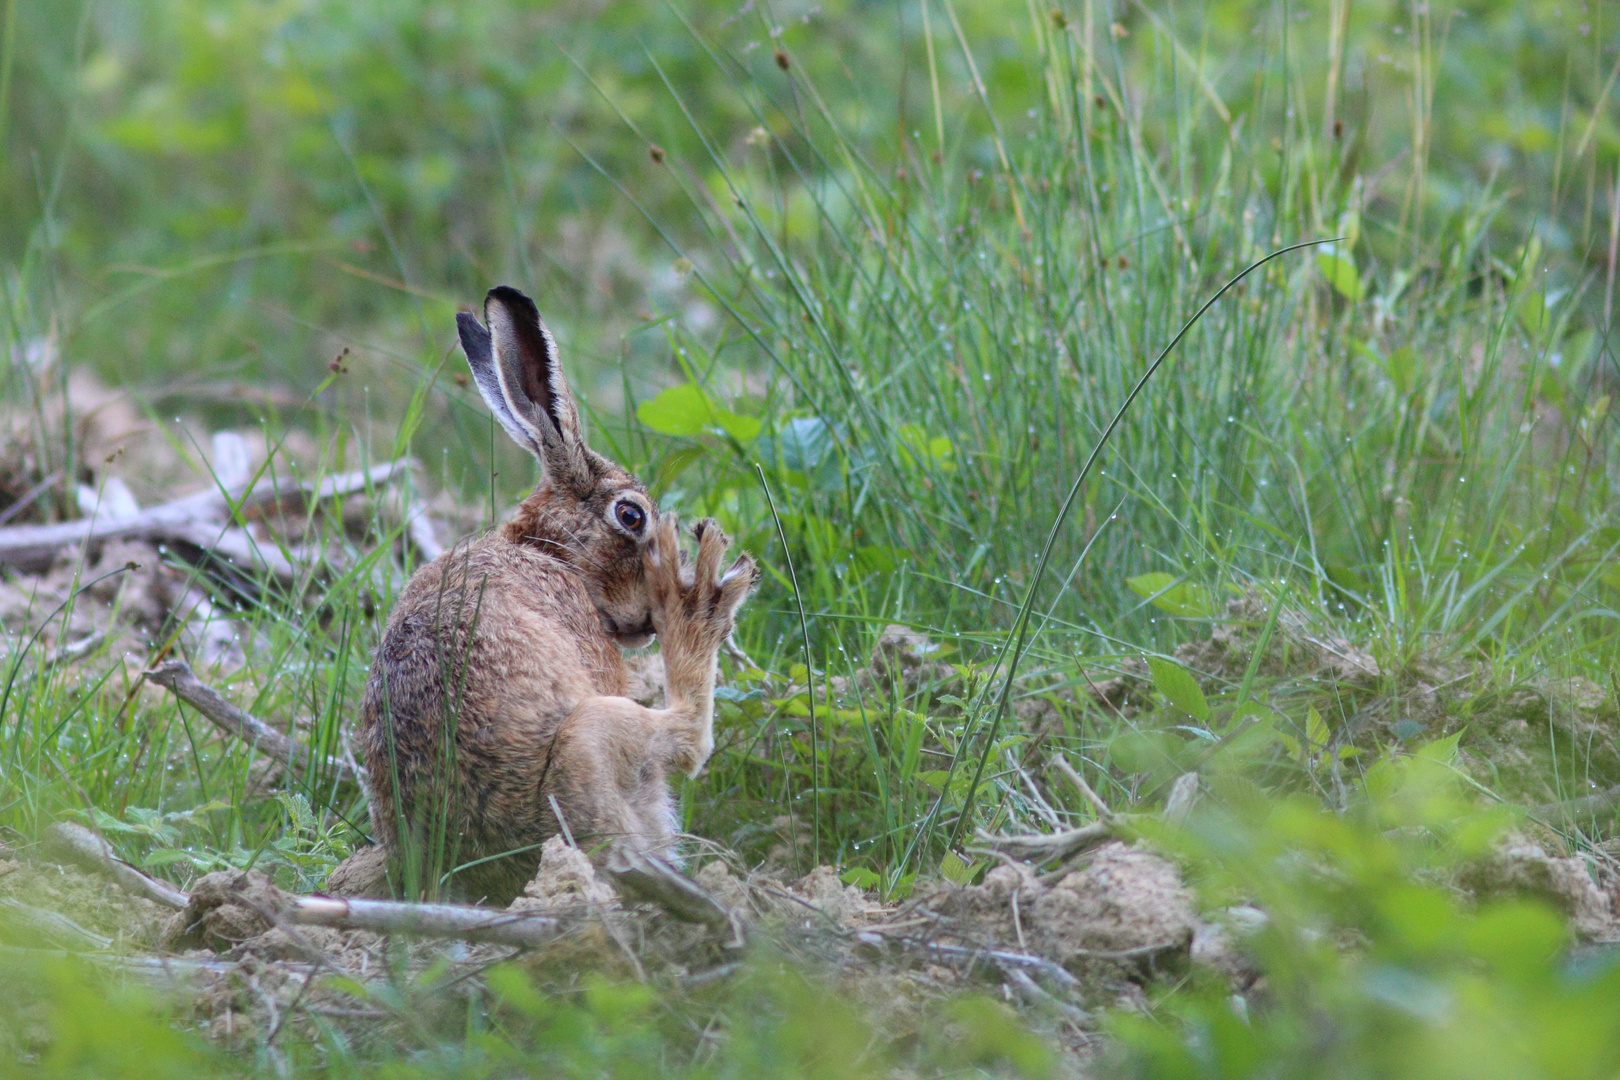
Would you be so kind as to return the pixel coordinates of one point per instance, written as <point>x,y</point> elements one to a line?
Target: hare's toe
<point>662,566</point>
<point>735,585</point>
<point>712,544</point>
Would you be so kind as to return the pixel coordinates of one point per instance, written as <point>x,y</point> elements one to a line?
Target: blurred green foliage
<point>208,182</point>
<point>865,281</point>
<point>1370,970</point>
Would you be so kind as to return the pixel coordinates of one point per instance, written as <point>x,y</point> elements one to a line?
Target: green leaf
<point>860,877</point>
<point>1349,227</point>
<point>918,449</point>
<point>990,1033</point>
<point>512,986</point>
<point>1170,595</point>
<point>744,429</point>
<point>1176,683</point>
<point>1316,729</point>
<point>679,410</point>
<point>877,559</point>
<point>957,870</point>
<point>670,469</point>
<point>1340,270</point>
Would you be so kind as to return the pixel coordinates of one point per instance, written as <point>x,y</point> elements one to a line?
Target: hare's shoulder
<point>515,609</point>
<point>492,571</point>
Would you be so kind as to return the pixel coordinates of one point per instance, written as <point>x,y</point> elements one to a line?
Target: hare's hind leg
<point>609,773</point>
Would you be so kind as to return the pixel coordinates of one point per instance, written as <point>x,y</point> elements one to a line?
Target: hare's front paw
<point>695,604</point>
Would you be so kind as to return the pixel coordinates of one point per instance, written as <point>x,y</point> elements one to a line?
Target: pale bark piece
<point>90,851</point>
<point>201,520</point>
<point>528,928</point>
<point>525,928</point>
<point>177,677</point>
<point>1043,847</point>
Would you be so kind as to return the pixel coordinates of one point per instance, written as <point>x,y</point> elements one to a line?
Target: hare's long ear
<point>475,343</point>
<point>515,364</point>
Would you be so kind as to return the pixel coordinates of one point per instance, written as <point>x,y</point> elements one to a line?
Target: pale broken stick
<point>460,921</point>
<point>200,520</point>
<point>641,876</point>
<point>1045,847</point>
<point>89,850</point>
<point>177,677</point>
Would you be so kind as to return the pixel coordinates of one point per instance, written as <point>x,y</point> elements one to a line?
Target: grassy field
<point>872,284</point>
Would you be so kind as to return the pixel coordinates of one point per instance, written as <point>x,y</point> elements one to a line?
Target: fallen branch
<point>647,877</point>
<point>163,971</point>
<point>525,928</point>
<point>177,677</point>
<point>1581,807</point>
<point>90,851</point>
<point>1000,957</point>
<point>1045,847</point>
<point>1079,782</point>
<point>56,928</point>
<point>202,520</point>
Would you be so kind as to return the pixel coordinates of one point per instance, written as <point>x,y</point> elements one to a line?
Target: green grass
<point>874,310</point>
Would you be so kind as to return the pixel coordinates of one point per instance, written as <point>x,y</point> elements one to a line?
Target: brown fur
<point>499,683</point>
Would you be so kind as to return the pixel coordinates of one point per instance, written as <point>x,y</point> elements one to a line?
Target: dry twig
<point>90,851</point>
<point>1044,847</point>
<point>177,677</point>
<point>203,521</point>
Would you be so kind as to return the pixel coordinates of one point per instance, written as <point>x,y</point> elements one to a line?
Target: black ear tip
<point>474,338</point>
<point>513,300</point>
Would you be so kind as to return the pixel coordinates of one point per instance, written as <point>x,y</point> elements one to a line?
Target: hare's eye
<point>630,516</point>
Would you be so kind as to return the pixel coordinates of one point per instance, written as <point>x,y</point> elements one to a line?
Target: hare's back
<point>507,634</point>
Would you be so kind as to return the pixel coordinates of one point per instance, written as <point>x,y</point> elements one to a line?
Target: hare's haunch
<point>497,701</point>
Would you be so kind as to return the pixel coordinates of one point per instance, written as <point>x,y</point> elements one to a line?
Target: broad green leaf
<point>1181,598</point>
<point>679,410</point>
<point>955,869</point>
<point>990,1032</point>
<point>1176,683</point>
<point>745,429</point>
<point>1340,270</point>
<point>860,877</point>
<point>877,559</point>
<point>511,984</point>
<point>1158,753</point>
<point>1349,227</point>
<point>1291,744</point>
<point>917,448</point>
<point>1316,729</point>
<point>670,469</point>
<point>1519,939</point>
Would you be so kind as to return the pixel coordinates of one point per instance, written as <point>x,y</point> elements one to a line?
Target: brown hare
<point>496,700</point>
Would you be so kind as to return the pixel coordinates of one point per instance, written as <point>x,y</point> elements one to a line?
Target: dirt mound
<point>1125,916</point>
<point>1541,742</point>
<point>1519,868</point>
<point>91,902</point>
<point>227,908</point>
<point>1297,648</point>
<point>1127,903</point>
